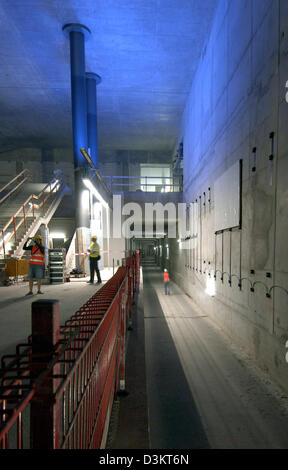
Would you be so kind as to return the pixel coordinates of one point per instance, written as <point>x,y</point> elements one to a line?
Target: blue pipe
<point>77,34</point>
<point>92,80</point>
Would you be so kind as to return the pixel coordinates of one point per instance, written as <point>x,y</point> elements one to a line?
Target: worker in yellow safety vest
<point>94,257</point>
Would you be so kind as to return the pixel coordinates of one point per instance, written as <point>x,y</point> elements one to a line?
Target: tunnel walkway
<point>201,391</point>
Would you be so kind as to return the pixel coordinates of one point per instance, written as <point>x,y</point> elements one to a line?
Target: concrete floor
<point>199,389</point>
<point>15,308</point>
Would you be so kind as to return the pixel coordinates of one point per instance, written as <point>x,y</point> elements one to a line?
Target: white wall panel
<point>227,199</point>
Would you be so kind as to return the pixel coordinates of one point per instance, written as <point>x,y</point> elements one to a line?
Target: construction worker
<point>93,259</point>
<point>166,279</point>
<point>36,263</point>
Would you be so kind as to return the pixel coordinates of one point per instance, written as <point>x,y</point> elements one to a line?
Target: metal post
<point>92,80</point>
<point>14,224</point>
<point>44,415</point>
<point>24,217</point>
<point>33,206</point>
<point>130,286</point>
<point>122,389</point>
<point>43,203</point>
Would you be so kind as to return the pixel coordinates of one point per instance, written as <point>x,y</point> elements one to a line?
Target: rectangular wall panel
<point>227,193</point>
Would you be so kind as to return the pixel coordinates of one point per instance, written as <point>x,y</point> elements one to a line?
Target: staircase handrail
<point>25,173</point>
<point>55,183</point>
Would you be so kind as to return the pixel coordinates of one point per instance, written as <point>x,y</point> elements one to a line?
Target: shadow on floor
<point>13,300</point>
<point>174,421</point>
<point>129,421</point>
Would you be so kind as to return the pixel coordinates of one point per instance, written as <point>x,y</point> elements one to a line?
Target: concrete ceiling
<point>146,52</point>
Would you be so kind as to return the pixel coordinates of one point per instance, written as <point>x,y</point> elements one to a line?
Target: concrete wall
<point>41,163</point>
<point>237,99</point>
<point>63,225</point>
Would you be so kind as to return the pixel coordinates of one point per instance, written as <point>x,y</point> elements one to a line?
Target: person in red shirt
<point>36,263</point>
<point>166,279</point>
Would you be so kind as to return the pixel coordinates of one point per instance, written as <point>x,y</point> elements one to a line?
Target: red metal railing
<point>67,377</point>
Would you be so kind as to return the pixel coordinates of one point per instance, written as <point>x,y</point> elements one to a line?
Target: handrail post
<point>44,413</point>
<point>129,286</point>
<point>137,265</point>
<point>24,217</point>
<point>33,206</point>
<point>14,224</point>
<point>122,389</point>
<point>43,202</point>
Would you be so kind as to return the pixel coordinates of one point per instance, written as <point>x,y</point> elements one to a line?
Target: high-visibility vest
<point>37,257</point>
<point>166,277</point>
<point>94,250</point>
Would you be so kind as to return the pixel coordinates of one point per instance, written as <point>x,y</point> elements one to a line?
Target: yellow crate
<point>17,267</point>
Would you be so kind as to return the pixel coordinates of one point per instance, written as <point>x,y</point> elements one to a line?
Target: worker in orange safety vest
<point>166,279</point>
<point>36,263</point>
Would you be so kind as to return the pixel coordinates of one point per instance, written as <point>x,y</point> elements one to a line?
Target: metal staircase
<point>29,215</point>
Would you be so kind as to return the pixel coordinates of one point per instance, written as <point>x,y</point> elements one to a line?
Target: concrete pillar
<point>83,211</point>
<point>92,80</point>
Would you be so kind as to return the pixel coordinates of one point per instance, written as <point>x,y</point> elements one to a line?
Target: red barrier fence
<point>57,391</point>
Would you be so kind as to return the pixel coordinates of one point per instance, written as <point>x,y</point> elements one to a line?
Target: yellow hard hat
<point>37,237</point>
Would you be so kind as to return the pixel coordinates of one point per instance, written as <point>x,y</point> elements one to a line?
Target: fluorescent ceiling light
<point>57,235</point>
